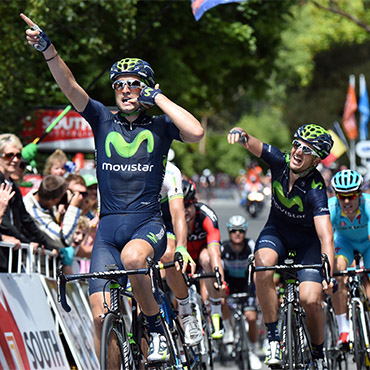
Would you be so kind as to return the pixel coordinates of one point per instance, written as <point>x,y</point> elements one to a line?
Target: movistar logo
<point>289,203</point>
<point>152,237</point>
<point>318,185</point>
<point>125,149</point>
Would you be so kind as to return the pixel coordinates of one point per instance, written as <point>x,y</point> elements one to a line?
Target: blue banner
<point>363,108</point>
<point>199,7</point>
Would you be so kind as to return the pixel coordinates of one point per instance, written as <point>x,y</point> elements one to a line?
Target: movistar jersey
<point>130,158</point>
<point>356,231</point>
<point>295,209</point>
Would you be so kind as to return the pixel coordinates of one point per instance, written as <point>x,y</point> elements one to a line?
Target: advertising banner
<point>71,134</point>
<point>28,336</point>
<point>77,325</point>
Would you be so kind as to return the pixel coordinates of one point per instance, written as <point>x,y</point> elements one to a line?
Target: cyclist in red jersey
<point>204,247</point>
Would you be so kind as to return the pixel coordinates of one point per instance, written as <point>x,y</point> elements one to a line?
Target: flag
<point>363,108</point>
<point>338,149</point>
<point>199,7</point>
<point>349,121</point>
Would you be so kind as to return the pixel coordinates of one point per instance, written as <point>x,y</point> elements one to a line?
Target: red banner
<point>349,121</point>
<point>72,133</point>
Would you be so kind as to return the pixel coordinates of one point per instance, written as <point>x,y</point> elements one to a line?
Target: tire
<point>358,342</point>
<point>243,351</point>
<point>337,360</point>
<point>291,339</point>
<point>113,331</point>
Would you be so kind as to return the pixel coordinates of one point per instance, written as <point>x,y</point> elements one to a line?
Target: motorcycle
<point>255,202</point>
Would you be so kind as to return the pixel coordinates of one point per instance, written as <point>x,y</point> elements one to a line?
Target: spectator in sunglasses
<point>350,215</point>
<point>16,222</point>
<point>42,205</point>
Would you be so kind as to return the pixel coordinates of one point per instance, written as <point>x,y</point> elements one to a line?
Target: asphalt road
<point>225,208</point>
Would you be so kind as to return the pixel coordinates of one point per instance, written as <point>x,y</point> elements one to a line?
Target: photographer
<point>42,205</point>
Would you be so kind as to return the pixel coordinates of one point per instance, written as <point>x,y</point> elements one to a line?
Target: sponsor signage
<point>363,149</point>
<point>28,337</point>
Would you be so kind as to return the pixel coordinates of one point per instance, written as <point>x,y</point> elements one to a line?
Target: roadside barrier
<point>35,331</point>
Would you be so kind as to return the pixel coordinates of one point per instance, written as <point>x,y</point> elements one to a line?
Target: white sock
<point>216,306</point>
<point>343,323</point>
<point>184,306</point>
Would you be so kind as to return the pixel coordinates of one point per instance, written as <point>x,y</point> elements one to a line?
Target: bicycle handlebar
<point>62,280</point>
<point>325,266</point>
<point>352,271</point>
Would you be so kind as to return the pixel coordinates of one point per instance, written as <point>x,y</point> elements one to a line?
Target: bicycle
<point>205,349</point>
<point>129,342</point>
<point>359,315</point>
<point>337,358</point>
<point>295,340</point>
<point>240,344</point>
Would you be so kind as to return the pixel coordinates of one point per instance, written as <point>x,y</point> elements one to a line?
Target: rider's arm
<point>324,231</point>
<point>60,71</point>
<point>177,211</point>
<point>190,128</point>
<point>252,144</point>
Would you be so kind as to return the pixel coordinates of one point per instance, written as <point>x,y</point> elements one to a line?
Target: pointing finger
<point>27,20</point>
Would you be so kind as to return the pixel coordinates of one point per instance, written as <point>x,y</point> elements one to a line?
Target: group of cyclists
<point>132,171</point>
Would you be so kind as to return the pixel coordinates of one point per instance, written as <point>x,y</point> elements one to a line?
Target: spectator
<point>91,201</point>
<point>16,223</point>
<point>55,163</point>
<point>78,242</point>
<point>41,204</point>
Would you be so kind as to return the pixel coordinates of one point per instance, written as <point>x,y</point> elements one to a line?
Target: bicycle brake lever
<point>61,291</point>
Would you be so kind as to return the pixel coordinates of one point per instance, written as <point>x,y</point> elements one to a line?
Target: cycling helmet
<point>133,66</point>
<point>189,190</point>
<point>317,137</point>
<point>347,181</point>
<point>237,223</point>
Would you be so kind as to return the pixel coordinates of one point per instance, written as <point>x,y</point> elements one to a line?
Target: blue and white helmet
<point>347,181</point>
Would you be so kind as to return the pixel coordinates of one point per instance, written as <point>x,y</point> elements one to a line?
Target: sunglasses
<point>10,156</point>
<point>305,149</point>
<point>237,230</point>
<point>351,196</point>
<point>131,84</point>
<point>188,203</point>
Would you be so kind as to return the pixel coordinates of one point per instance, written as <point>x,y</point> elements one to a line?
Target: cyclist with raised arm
<point>204,248</point>
<point>350,215</point>
<point>131,147</point>
<point>172,206</point>
<point>234,254</point>
<point>299,220</point>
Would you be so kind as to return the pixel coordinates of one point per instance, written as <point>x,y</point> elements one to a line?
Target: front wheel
<point>358,340</point>
<point>114,348</point>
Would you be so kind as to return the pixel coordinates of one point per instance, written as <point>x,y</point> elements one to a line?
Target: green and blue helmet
<point>133,66</point>
<point>317,137</point>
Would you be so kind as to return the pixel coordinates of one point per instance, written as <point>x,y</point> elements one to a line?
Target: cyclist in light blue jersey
<point>131,153</point>
<point>350,215</point>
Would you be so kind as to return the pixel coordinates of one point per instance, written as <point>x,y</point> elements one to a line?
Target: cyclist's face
<point>190,212</point>
<point>299,161</point>
<point>126,98</point>
<point>349,205</point>
<point>237,236</point>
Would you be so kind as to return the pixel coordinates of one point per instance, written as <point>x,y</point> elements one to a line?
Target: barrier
<point>31,317</point>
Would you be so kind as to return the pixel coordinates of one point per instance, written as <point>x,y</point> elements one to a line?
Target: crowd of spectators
<point>59,213</point>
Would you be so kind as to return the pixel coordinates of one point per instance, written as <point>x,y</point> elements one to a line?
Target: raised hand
<point>36,37</point>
